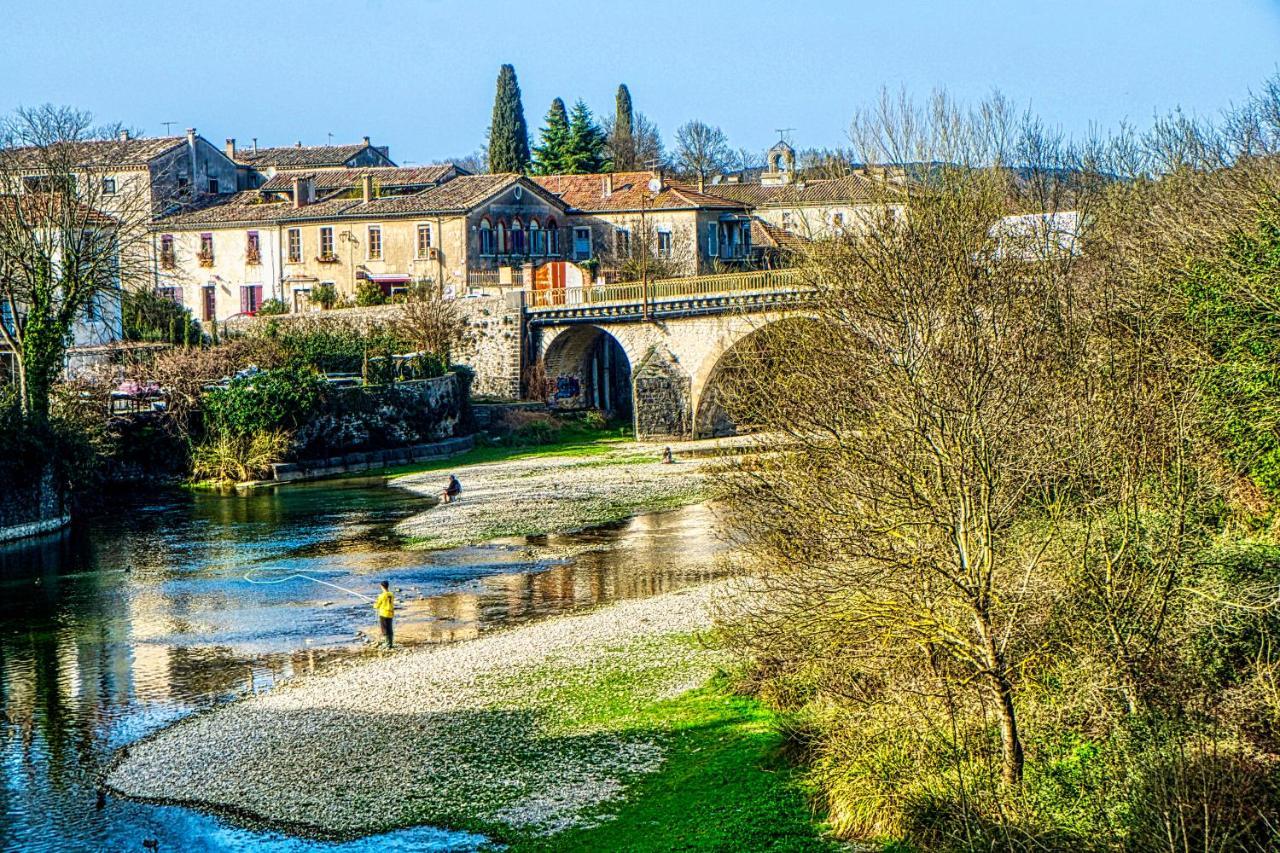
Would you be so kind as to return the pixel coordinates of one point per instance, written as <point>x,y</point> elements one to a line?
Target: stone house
<point>617,216</point>
<point>261,164</point>
<point>226,258</point>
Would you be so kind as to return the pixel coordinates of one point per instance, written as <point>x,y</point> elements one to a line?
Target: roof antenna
<point>167,125</point>
<point>782,133</point>
<point>330,135</point>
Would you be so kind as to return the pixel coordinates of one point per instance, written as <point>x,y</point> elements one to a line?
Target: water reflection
<point>116,628</point>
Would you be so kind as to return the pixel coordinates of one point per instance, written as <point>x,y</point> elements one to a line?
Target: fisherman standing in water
<point>386,607</point>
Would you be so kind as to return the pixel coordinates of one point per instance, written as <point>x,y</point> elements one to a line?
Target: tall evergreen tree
<point>549,156</point>
<point>586,152</point>
<point>508,134</point>
<point>622,145</point>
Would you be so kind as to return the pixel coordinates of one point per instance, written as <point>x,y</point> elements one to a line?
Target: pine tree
<point>508,134</point>
<point>549,156</point>
<point>622,146</point>
<point>586,151</point>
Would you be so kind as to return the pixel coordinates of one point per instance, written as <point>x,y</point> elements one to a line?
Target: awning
<point>388,278</point>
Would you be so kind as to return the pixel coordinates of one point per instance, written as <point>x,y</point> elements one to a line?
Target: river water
<point>143,616</point>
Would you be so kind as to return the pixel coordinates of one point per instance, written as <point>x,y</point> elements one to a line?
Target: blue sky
<point>419,76</point>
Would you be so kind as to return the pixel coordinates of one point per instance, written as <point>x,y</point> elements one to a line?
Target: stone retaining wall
<point>37,507</point>
<point>287,472</point>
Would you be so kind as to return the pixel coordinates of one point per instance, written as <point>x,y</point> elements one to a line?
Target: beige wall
<point>815,221</point>
<point>229,271</point>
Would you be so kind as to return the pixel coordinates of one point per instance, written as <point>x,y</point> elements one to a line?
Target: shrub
<point>369,293</point>
<point>522,428</point>
<point>325,295</point>
<point>148,316</point>
<point>265,401</point>
<point>595,419</point>
<point>235,458</point>
<point>272,307</point>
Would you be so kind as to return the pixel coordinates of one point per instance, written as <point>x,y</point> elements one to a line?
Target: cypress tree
<point>622,145</point>
<point>549,156</point>
<point>508,134</point>
<point>586,152</point>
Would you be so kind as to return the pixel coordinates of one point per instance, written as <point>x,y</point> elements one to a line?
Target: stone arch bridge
<point>655,352</point>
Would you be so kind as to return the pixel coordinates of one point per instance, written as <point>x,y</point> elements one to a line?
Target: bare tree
<point>701,150</point>
<point>73,232</point>
<point>430,322</point>
<point>645,151</point>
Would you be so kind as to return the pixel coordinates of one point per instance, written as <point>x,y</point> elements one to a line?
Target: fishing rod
<point>299,576</point>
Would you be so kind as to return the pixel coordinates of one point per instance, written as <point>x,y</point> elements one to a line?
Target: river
<point>143,615</point>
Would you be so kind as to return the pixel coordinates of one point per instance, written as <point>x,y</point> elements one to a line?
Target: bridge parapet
<point>665,290</point>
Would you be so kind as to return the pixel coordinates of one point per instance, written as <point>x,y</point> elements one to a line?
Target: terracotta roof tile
<point>302,156</point>
<point>387,176</point>
<point>630,191</point>
<point>851,189</point>
<point>769,236</point>
<point>99,153</point>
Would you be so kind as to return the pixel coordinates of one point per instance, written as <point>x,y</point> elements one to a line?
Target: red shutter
<point>257,297</point>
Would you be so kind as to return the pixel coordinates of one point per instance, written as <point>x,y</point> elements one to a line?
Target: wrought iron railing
<point>666,288</point>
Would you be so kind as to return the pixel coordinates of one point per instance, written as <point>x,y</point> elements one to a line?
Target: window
<point>213,186</point>
<point>622,242</point>
<point>206,250</point>
<point>664,242</point>
<point>581,243</point>
<point>183,181</point>
<point>6,316</point>
<point>166,252</point>
<point>326,244</point>
<point>295,245</point>
<point>553,238</point>
<point>424,240</point>
<point>486,238</point>
<point>837,221</point>
<point>250,298</point>
<point>786,219</point>
<point>375,242</point>
<point>517,237</point>
<point>109,186</point>
<point>537,239</point>
<point>713,239</point>
<point>501,239</point>
<point>252,249</point>
<point>173,294</point>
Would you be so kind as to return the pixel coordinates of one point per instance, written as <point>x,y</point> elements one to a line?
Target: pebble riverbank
<point>506,732</point>
<point>556,494</point>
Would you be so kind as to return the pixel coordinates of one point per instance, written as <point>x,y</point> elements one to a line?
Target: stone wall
<point>33,508</point>
<point>493,346</point>
<point>380,417</point>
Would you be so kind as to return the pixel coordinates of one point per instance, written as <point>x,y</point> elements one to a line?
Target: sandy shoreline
<point>490,733</point>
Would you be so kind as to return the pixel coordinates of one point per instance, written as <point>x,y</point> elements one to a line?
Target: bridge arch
<point>732,381</point>
<point>587,367</point>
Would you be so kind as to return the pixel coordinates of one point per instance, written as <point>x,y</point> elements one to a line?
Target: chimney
<point>608,185</point>
<point>298,144</point>
<point>124,135</point>
<point>191,136</point>
<point>366,139</point>
<point>303,190</point>
<point>366,186</point>
<point>702,184</point>
<point>255,145</point>
<point>231,147</point>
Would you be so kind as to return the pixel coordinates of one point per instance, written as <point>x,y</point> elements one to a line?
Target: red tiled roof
<point>251,207</point>
<point>92,153</point>
<point>34,207</point>
<point>387,176</point>
<point>302,156</point>
<point>769,236</point>
<point>851,189</point>
<point>629,191</point>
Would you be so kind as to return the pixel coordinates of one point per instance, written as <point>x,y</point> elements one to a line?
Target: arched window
<point>553,237</point>
<point>500,238</point>
<point>517,237</point>
<point>537,239</point>
<point>486,237</point>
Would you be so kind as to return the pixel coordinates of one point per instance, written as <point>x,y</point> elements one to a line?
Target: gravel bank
<point>556,494</point>
<point>510,730</point>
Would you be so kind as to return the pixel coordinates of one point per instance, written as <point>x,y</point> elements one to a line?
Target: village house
<point>619,216</point>
<point>226,258</point>
<point>810,209</point>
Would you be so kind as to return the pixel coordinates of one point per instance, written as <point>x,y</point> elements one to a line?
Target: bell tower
<point>780,164</point>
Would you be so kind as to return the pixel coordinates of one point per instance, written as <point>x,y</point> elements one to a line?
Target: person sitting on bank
<point>451,492</point>
<point>386,608</point>
<point>667,457</point>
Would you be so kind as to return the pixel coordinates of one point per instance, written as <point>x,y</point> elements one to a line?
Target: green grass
<point>724,786</point>
<point>573,441</point>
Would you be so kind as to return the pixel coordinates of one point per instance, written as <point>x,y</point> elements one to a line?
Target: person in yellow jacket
<point>386,608</point>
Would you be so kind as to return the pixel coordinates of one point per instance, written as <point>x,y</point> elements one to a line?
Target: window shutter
<point>713,239</point>
<point>257,297</point>
<point>244,300</point>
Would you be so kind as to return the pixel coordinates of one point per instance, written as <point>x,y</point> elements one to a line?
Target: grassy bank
<point>573,440</point>
<point>724,785</point>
